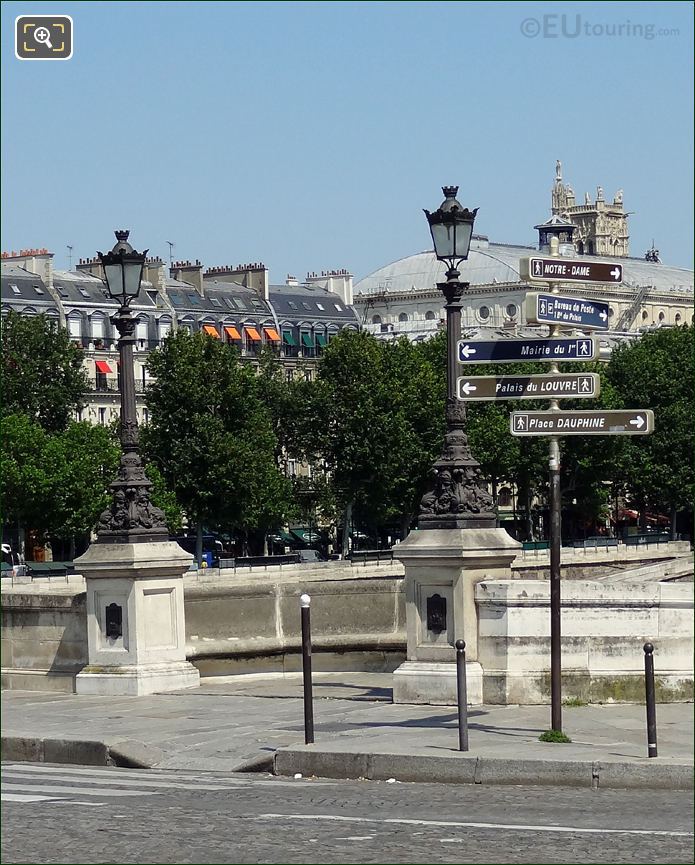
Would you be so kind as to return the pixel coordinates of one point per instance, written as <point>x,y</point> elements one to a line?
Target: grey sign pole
<point>555,550</point>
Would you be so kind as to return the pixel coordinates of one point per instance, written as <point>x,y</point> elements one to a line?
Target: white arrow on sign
<point>603,315</point>
<point>638,422</point>
<point>467,351</point>
<point>615,273</point>
<point>467,387</point>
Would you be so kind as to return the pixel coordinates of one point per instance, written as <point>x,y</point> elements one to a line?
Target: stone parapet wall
<point>604,628</point>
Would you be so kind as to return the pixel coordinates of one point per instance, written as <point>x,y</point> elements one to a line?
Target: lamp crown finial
<point>450,191</point>
<point>122,235</point>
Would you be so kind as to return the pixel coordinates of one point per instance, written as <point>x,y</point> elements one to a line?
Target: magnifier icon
<point>43,36</point>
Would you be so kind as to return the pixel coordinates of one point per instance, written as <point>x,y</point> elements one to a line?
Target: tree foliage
<point>42,374</point>
<point>211,436</point>
<point>656,372</point>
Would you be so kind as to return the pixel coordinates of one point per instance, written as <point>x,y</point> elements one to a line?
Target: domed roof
<point>490,263</point>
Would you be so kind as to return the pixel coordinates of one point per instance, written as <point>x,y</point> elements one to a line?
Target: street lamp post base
<point>136,680</point>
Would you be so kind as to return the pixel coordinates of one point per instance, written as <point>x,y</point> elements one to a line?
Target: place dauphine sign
<point>553,386</point>
<point>558,269</point>
<point>571,311</point>
<point>549,350</point>
<point>598,423</point>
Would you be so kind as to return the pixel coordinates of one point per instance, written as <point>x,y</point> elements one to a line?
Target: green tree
<point>655,372</point>
<point>378,424</point>
<point>211,437</point>
<point>42,373</point>
<point>55,483</point>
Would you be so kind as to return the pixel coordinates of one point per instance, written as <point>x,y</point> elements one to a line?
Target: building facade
<point>402,298</point>
<point>236,305</point>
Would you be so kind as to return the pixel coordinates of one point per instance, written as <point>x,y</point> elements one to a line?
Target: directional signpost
<point>517,350</point>
<point>573,311</point>
<point>592,423</point>
<point>553,386</point>
<point>537,269</point>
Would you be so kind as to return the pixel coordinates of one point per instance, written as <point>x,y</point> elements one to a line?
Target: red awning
<point>102,366</point>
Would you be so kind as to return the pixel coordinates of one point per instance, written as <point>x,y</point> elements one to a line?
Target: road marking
<point>21,797</point>
<point>456,825</point>
<point>75,791</point>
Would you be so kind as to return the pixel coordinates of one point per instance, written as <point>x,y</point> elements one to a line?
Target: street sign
<point>574,423</point>
<point>554,386</point>
<point>516,350</point>
<point>575,311</point>
<point>569,270</point>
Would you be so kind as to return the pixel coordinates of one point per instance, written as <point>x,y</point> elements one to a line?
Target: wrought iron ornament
<point>457,495</point>
<point>131,517</point>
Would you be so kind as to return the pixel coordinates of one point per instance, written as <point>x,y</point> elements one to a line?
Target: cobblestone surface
<point>148,816</point>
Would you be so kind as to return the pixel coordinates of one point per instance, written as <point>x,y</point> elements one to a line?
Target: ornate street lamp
<point>457,497</point>
<point>131,517</point>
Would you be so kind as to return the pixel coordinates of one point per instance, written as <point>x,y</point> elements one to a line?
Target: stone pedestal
<point>442,567</point>
<point>135,619</point>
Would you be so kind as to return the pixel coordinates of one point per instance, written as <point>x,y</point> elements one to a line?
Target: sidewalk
<point>257,723</point>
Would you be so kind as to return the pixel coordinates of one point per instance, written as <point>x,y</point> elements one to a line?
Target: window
<point>176,300</point>
<point>645,315</point>
<point>37,288</point>
<point>320,306</point>
<point>164,327</point>
<point>102,416</point>
<point>97,327</point>
<point>511,310</point>
<point>611,312</point>
<point>338,307</point>
<point>678,318</point>
<point>141,330</point>
<point>403,316</point>
<point>505,498</point>
<point>484,313</point>
<point>101,381</point>
<point>662,315</point>
<point>306,305</point>
<point>75,327</point>
<point>292,304</point>
<point>215,301</point>
<point>193,299</point>
<point>15,289</point>
<point>84,292</point>
<point>239,302</point>
<point>429,315</point>
<point>376,319</point>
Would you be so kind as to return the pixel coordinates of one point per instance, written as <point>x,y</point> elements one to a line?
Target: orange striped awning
<point>253,334</point>
<point>232,332</point>
<point>272,334</point>
<point>211,330</point>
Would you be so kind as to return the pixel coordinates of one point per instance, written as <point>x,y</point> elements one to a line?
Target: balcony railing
<point>111,386</point>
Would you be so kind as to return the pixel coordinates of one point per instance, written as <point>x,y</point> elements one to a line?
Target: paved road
<point>74,814</point>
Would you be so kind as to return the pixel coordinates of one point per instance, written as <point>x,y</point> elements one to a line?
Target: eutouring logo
<point>43,37</point>
<point>554,26</point>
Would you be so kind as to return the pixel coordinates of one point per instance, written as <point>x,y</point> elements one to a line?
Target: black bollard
<point>462,694</point>
<point>305,602</point>
<point>650,699</point>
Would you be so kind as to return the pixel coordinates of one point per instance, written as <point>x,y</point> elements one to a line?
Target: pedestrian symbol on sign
<point>538,267</point>
<point>585,347</point>
<point>585,385</point>
<point>520,421</point>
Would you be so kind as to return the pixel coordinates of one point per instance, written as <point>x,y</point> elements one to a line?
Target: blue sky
<point>311,135</point>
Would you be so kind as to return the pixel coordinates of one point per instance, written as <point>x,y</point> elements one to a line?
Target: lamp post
<point>457,497</point>
<point>131,517</point>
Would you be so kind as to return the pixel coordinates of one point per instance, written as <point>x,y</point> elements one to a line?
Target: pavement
<point>255,723</point>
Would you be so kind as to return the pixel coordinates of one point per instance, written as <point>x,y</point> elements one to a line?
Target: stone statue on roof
<point>558,170</point>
